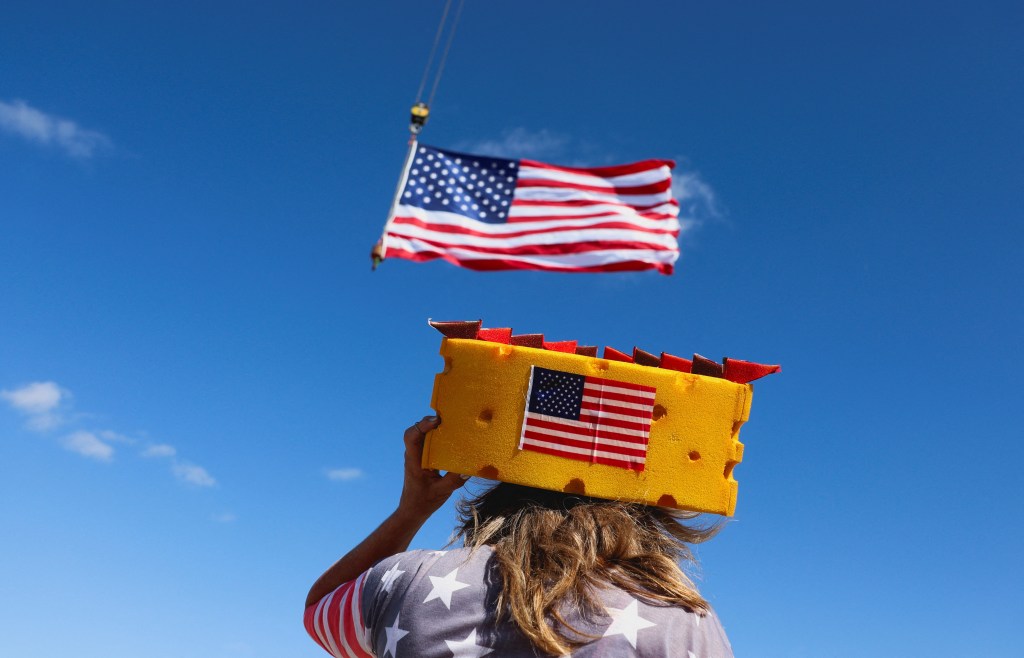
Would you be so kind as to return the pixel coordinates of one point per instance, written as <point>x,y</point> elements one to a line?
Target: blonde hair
<point>554,550</point>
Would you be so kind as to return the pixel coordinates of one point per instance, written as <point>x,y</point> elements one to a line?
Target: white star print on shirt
<point>394,634</point>
<point>390,576</point>
<point>467,648</point>
<point>443,588</point>
<point>627,622</point>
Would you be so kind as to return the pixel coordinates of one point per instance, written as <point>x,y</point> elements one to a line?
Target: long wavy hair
<point>554,551</point>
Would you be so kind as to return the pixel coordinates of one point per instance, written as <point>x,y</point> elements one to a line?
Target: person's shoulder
<point>425,560</point>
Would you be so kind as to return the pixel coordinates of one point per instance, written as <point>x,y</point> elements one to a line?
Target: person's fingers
<point>419,429</point>
<point>452,481</point>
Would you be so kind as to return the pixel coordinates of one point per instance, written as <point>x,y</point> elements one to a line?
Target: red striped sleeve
<point>336,621</point>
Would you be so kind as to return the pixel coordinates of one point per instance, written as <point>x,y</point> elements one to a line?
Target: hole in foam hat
<point>485,417</point>
<point>659,412</point>
<point>694,455</point>
<point>667,501</point>
<point>488,472</point>
<point>575,486</point>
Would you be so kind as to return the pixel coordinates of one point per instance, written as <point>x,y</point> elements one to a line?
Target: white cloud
<point>34,398</point>
<point>115,437</point>
<point>39,401</point>
<point>520,143</point>
<point>88,445</point>
<point>21,119</point>
<point>159,450</point>
<point>344,474</point>
<point>696,198</point>
<point>192,474</point>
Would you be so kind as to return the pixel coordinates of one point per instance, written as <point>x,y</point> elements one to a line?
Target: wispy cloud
<point>192,474</point>
<point>344,474</point>
<point>39,402</point>
<point>88,445</point>
<point>21,119</point>
<point>44,405</point>
<point>695,196</point>
<point>34,398</point>
<point>520,143</point>
<point>698,202</point>
<point>159,450</point>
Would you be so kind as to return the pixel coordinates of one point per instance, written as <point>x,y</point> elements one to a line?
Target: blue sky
<point>204,386</point>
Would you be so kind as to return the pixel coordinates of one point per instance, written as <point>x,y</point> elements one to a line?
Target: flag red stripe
<point>597,408</point>
<point>590,381</point>
<point>559,249</point>
<point>585,445</point>
<point>638,466</point>
<point>604,172</point>
<point>513,219</point>
<point>501,264</point>
<point>590,417</point>
<point>600,432</point>
<point>573,203</point>
<point>615,396</point>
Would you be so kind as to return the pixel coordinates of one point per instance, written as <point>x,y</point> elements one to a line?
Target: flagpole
<point>380,249</point>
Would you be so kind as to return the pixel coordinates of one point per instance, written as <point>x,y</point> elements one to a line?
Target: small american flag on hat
<point>587,418</point>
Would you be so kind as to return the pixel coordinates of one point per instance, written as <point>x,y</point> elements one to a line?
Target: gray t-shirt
<point>442,604</point>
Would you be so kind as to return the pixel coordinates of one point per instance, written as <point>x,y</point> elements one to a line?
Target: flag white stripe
<point>627,459</point>
<point>632,444</point>
<point>584,259</point>
<point>342,610</point>
<point>327,628</point>
<point>529,396</point>
<point>626,433</point>
<point>600,415</point>
<point>357,615</point>
<point>618,404</point>
<point>453,219</point>
<point>569,211</point>
<point>556,237</point>
<point>348,616</point>
<point>653,175</point>
<point>570,194</point>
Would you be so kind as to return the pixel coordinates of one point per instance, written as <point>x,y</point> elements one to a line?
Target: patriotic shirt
<point>489,213</point>
<point>441,604</point>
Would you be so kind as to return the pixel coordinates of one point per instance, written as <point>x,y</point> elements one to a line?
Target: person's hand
<point>424,490</point>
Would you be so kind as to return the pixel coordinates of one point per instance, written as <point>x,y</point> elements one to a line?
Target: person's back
<point>541,574</point>
<point>436,604</point>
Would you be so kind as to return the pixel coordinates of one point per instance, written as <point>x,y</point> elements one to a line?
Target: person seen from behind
<point>539,573</point>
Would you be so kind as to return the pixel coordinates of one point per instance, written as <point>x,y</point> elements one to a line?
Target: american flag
<point>587,418</point>
<point>489,213</point>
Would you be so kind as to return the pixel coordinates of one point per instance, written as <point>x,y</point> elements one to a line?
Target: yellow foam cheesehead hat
<point>659,430</point>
